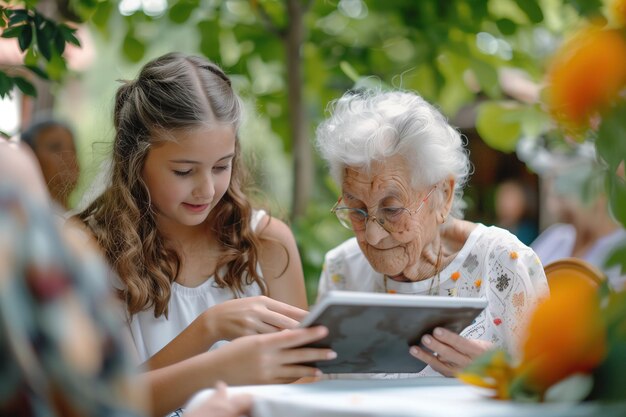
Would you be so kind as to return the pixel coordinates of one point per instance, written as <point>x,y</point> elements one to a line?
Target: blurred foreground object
<point>576,340</point>
<point>63,354</point>
<point>571,351</point>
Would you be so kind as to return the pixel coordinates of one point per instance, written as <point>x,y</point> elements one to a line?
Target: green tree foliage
<point>294,56</point>
<point>43,41</point>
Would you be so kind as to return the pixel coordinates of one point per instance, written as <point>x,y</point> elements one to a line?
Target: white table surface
<point>428,397</point>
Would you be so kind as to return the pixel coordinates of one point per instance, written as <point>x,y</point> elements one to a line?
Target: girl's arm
<point>228,321</point>
<point>280,263</point>
<point>261,359</point>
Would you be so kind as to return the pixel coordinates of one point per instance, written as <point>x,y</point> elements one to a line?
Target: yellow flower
<point>492,371</point>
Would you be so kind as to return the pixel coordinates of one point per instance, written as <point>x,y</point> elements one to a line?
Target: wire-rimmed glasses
<point>391,219</point>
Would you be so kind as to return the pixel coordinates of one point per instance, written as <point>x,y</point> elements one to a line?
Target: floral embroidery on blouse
<point>483,268</point>
<point>503,282</point>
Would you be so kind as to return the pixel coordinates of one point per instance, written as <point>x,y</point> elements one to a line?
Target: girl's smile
<point>196,208</point>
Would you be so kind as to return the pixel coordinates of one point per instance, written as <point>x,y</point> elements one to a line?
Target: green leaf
<point>506,26</point>
<point>531,9</point>
<point>617,257</point>
<point>487,77</point>
<point>349,71</point>
<point>209,38</point>
<point>26,87</point>
<point>38,71</point>
<point>610,375</point>
<point>586,7</point>
<point>133,48</point>
<point>498,125</point>
<point>59,42</point>
<point>181,11</point>
<point>26,38</point>
<point>56,67</point>
<point>17,16</point>
<point>6,85</point>
<point>617,197</point>
<point>43,41</point>
<point>610,142</point>
<point>13,32</point>
<point>486,360</point>
<point>102,14</point>
<point>68,34</point>
<point>31,57</point>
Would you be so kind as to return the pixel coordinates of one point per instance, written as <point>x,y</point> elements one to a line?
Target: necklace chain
<point>435,277</point>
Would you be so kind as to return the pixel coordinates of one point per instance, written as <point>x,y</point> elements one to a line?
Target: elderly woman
<point>402,169</point>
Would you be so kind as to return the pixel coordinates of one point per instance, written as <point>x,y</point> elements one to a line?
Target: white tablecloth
<point>428,397</point>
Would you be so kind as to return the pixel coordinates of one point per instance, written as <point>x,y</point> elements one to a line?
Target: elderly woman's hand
<point>450,352</point>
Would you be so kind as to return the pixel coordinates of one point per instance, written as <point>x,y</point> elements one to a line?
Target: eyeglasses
<point>391,219</point>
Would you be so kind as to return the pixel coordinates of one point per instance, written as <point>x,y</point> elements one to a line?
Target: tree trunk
<point>302,155</point>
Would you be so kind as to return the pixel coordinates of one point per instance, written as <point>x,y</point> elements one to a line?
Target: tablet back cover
<point>376,339</point>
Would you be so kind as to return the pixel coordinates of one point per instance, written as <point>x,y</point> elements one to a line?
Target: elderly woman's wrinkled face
<point>388,184</point>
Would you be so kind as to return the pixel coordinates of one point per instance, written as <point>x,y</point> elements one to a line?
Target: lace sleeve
<point>516,283</point>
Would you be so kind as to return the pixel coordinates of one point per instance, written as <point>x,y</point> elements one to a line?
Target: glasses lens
<point>351,218</point>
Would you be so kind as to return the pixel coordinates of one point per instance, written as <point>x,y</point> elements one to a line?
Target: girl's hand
<point>220,405</point>
<point>450,352</point>
<point>249,316</point>
<point>273,358</point>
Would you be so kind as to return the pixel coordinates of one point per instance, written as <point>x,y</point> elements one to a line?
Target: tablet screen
<point>372,333</point>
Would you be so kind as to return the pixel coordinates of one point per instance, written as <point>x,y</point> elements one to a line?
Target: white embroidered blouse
<point>493,264</point>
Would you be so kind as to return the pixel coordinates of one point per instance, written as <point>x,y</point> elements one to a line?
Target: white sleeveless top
<point>151,334</point>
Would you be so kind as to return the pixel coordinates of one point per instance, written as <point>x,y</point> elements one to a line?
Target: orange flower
<point>513,255</point>
<point>455,275</point>
<point>587,73</point>
<point>565,335</point>
<point>478,283</point>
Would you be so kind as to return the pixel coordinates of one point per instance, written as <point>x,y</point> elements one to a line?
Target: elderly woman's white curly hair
<point>370,125</point>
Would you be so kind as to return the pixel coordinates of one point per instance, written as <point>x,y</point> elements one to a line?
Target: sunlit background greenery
<point>453,52</point>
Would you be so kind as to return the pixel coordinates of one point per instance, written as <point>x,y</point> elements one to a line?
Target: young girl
<point>196,263</point>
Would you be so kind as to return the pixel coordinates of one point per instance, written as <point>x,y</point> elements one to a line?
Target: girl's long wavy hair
<point>172,93</point>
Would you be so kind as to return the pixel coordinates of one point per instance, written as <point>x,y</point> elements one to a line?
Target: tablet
<point>372,332</point>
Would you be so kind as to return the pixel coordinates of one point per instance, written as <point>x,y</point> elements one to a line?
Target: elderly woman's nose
<point>374,232</point>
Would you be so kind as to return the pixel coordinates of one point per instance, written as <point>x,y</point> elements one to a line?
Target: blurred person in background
<point>574,191</point>
<point>53,143</point>
<point>513,204</point>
